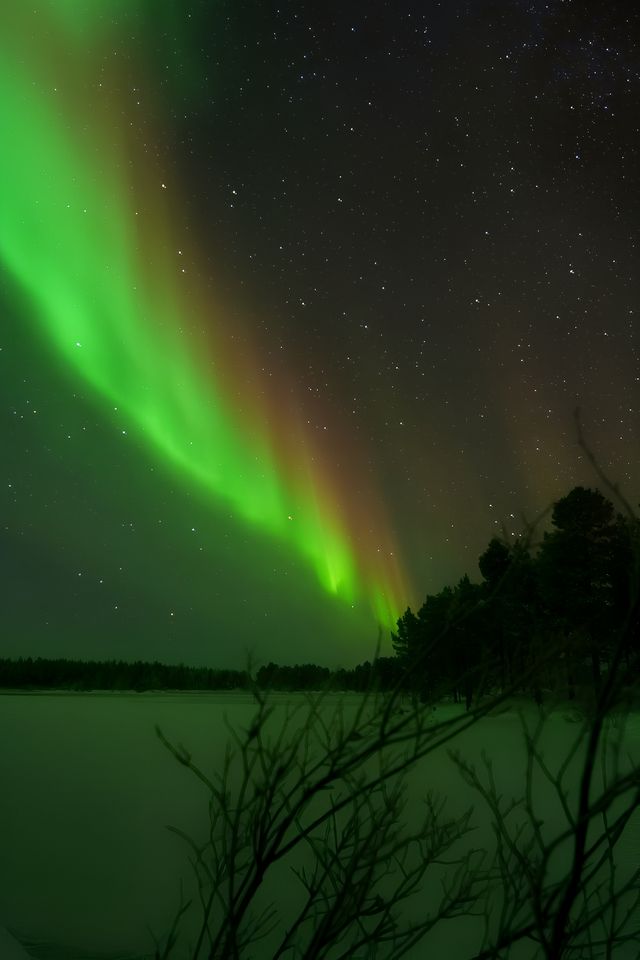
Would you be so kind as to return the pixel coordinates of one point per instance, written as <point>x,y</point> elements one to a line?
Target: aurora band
<point>89,240</point>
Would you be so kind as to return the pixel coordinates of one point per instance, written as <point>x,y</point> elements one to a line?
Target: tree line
<point>572,590</point>
<point>41,673</point>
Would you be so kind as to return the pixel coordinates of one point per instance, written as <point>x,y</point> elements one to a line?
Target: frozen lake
<point>87,863</point>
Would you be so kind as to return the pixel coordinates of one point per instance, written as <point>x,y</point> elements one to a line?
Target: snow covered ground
<point>10,949</point>
<point>88,868</point>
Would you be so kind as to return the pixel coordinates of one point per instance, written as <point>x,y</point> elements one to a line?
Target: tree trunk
<point>571,687</point>
<point>468,693</point>
<point>595,668</point>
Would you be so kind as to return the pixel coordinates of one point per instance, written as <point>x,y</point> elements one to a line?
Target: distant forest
<point>44,674</point>
<point>575,592</point>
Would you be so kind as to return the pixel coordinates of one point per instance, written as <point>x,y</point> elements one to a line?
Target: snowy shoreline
<point>510,705</point>
<point>89,791</point>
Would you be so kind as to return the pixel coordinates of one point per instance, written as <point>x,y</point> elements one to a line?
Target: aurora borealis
<point>297,305</point>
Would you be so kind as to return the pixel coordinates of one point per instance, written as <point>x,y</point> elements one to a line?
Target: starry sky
<point>298,301</point>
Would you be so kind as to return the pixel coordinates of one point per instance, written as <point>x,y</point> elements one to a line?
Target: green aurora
<point>85,233</point>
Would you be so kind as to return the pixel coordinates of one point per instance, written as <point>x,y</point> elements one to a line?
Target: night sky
<point>298,300</point>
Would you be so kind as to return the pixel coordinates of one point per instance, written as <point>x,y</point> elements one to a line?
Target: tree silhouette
<point>577,568</point>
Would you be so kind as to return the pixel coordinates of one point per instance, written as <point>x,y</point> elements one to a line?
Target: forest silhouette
<point>572,589</point>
